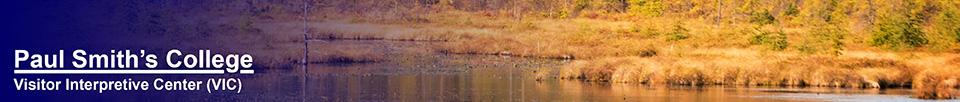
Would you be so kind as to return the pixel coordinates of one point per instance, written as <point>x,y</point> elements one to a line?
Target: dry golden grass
<point>939,80</point>
<point>671,49</point>
<point>731,67</point>
<point>665,50</point>
<point>333,53</point>
<point>937,83</point>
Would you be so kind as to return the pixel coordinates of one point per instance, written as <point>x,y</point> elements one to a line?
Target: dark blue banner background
<point>44,27</point>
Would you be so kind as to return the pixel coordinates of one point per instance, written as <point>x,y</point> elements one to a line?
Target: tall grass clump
<point>331,53</point>
<point>939,82</point>
<point>707,69</point>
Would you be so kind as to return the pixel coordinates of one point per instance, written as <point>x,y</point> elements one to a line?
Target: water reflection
<point>496,88</point>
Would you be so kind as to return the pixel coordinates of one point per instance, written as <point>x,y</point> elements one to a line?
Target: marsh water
<point>412,72</point>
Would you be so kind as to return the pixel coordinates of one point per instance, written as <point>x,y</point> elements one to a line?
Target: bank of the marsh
<point>910,43</point>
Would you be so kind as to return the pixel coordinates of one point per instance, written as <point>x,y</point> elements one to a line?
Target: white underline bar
<point>246,71</point>
<point>126,71</point>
